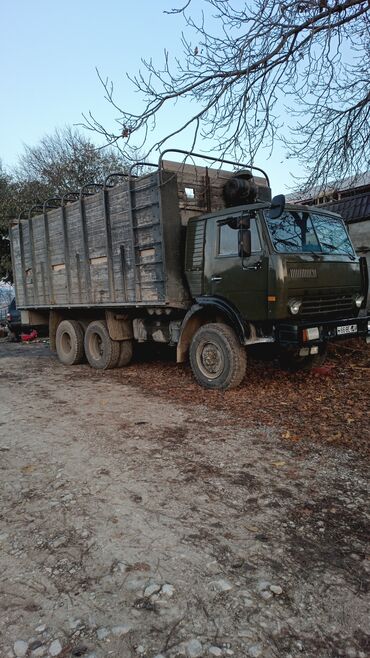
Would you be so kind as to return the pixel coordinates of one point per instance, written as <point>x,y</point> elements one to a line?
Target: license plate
<point>347,329</point>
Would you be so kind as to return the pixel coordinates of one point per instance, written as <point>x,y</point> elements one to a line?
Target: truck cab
<point>288,275</point>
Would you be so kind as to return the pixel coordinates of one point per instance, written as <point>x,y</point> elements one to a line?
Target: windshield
<point>303,231</point>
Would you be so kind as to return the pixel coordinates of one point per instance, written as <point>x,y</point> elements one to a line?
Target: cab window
<point>228,239</point>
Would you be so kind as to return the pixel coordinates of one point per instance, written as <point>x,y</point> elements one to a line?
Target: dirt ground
<point>143,516</point>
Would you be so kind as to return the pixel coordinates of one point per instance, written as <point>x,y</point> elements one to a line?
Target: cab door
<point>238,279</point>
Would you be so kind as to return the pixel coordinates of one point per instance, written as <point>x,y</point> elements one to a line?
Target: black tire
<point>217,359</point>
<point>125,355</point>
<point>293,362</point>
<point>69,342</point>
<point>101,351</point>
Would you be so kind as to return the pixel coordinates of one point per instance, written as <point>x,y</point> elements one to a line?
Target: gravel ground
<point>142,516</point>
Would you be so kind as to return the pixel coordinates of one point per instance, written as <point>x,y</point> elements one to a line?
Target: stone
<point>35,644</point>
<point>20,648</point>
<point>55,648</point>
<point>102,633</point>
<point>266,595</point>
<point>194,649</point>
<point>245,632</point>
<point>255,651</point>
<point>75,623</point>
<point>151,589</point>
<point>215,651</point>
<point>121,630</point>
<point>221,585</point>
<point>276,589</point>
<point>213,567</point>
<point>140,649</point>
<point>41,628</point>
<point>59,541</point>
<point>39,653</point>
<point>168,590</point>
<point>263,585</point>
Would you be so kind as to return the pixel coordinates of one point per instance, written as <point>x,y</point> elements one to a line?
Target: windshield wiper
<point>340,253</point>
<point>289,243</point>
<point>313,253</point>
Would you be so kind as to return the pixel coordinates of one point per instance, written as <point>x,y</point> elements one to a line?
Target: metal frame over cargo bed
<point>114,245</point>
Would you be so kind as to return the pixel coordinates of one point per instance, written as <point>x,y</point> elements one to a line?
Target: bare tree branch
<point>260,63</point>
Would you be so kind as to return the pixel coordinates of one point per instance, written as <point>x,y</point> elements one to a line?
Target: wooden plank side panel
<point>148,239</point>
<point>28,273</point>
<point>75,241</point>
<point>17,267</point>
<point>177,291</point>
<point>41,260</point>
<point>57,257</point>
<point>122,254</point>
<point>97,247</point>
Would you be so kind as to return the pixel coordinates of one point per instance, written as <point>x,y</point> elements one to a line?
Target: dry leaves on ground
<point>330,404</point>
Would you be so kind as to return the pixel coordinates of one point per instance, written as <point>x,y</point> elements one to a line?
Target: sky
<point>49,52</point>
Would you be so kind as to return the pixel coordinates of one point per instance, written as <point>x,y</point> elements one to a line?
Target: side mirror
<point>245,242</point>
<point>277,206</point>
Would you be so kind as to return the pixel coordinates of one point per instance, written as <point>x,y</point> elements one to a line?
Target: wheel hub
<point>210,360</point>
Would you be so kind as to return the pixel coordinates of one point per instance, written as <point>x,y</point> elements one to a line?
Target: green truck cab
<point>288,276</point>
<point>200,258</point>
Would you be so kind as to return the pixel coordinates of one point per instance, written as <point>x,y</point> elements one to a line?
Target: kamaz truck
<point>198,257</point>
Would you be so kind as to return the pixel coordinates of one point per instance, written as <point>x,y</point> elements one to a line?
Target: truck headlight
<point>358,300</point>
<point>294,305</point>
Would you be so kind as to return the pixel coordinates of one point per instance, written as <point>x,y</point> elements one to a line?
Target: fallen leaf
<point>28,468</point>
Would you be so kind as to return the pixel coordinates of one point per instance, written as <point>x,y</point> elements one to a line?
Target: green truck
<point>197,257</point>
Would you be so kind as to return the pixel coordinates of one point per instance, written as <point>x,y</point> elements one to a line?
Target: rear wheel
<point>125,355</point>
<point>217,359</point>
<point>101,351</point>
<point>70,342</point>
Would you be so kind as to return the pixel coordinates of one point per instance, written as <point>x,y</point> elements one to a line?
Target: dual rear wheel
<point>103,353</point>
<point>217,359</point>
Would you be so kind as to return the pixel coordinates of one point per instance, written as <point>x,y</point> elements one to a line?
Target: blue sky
<point>49,51</point>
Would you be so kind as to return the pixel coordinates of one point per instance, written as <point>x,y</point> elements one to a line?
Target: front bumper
<point>293,333</point>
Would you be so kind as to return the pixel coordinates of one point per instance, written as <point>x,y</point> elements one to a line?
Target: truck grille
<point>333,305</point>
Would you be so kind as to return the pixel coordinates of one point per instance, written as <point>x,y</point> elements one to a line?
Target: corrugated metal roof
<point>350,184</point>
<point>352,208</point>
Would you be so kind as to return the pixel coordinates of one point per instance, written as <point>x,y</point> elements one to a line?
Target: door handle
<point>216,278</point>
<point>255,267</point>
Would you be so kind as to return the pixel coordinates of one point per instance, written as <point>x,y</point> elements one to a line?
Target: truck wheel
<point>217,359</point>
<point>69,342</point>
<point>125,355</point>
<point>101,351</point>
<point>295,363</point>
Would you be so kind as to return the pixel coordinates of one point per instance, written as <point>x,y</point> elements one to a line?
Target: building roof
<point>347,185</point>
<point>351,208</point>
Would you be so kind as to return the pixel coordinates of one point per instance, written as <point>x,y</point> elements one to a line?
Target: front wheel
<point>217,359</point>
